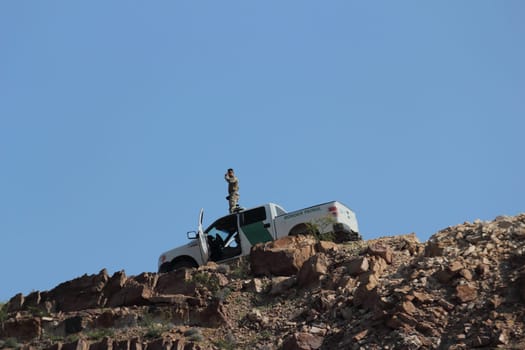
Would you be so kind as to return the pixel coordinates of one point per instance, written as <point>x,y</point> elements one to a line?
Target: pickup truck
<point>232,236</point>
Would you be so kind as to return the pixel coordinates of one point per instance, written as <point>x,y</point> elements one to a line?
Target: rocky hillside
<point>463,289</point>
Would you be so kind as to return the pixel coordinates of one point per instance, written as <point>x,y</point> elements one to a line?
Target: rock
<point>466,274</point>
<point>422,297</point>
<point>366,294</point>
<point>408,308</point>
<point>74,324</point>
<point>105,320</point>
<point>479,341</point>
<point>411,243</point>
<point>377,265</point>
<point>312,270</point>
<point>34,301</point>
<point>132,293</point>
<point>447,305</point>
<point>455,266</point>
<point>326,247</point>
<point>443,276</point>
<point>81,293</point>
<point>434,248</point>
<point>254,285</point>
<point>135,344</point>
<point>121,345</point>
<point>302,341</point>
<point>222,280</point>
<point>381,250</point>
<point>15,303</point>
<point>114,284</point>
<point>213,315</point>
<point>283,257</point>
<point>255,316</point>
<point>148,279</point>
<point>22,329</point>
<point>466,293</point>
<point>159,344</point>
<point>360,336</point>
<point>176,282</point>
<point>104,344</point>
<point>358,266</point>
<point>483,270</point>
<point>80,344</point>
<point>282,284</point>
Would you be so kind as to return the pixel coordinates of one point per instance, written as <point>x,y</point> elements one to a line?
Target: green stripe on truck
<point>256,233</point>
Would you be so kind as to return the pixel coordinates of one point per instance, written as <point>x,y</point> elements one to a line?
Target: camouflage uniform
<point>233,191</point>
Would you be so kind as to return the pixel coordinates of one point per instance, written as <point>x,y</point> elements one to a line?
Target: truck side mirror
<point>191,234</point>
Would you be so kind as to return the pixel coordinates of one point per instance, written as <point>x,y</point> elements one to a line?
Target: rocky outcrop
<point>283,257</point>
<point>463,289</point>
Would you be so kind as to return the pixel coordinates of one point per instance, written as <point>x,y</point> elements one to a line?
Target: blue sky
<point>118,120</point>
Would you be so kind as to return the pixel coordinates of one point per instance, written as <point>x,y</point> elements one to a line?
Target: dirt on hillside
<point>462,289</point>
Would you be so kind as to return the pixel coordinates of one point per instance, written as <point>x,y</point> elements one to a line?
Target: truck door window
<point>223,238</point>
<point>254,227</point>
<point>253,215</point>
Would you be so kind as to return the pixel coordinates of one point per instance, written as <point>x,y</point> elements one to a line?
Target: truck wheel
<point>347,236</point>
<point>182,263</point>
<point>303,229</point>
<point>165,267</point>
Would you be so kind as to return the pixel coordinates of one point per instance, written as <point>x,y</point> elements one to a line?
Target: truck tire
<point>303,229</point>
<point>183,263</point>
<point>177,264</point>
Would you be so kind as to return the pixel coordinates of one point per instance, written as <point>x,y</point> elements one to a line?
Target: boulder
<point>74,324</point>
<point>366,294</point>
<point>105,319</point>
<point>23,328</point>
<point>80,294</point>
<point>283,257</point>
<point>132,293</point>
<point>377,265</point>
<point>212,315</point>
<point>381,250</point>
<point>282,284</point>
<point>327,247</point>
<point>114,284</point>
<point>357,266</point>
<point>34,300</point>
<point>310,273</point>
<point>15,303</point>
<point>302,341</point>
<point>466,293</point>
<point>176,282</point>
<point>408,307</point>
<point>434,248</point>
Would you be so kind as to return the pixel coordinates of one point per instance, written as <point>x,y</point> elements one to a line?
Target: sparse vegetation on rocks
<point>3,313</point>
<point>463,289</point>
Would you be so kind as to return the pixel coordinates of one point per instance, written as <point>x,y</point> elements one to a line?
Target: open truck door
<point>203,241</point>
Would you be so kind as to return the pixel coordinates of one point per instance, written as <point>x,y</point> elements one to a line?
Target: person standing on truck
<point>233,189</point>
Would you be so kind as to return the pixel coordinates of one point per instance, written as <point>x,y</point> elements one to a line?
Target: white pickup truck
<point>233,235</point>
